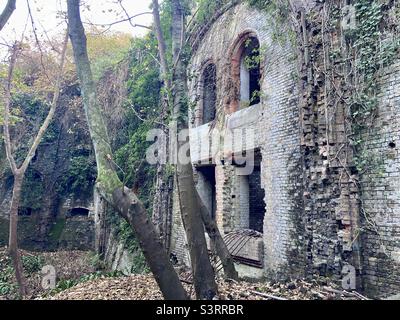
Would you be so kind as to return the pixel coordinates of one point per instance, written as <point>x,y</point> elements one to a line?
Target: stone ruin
<point>297,212</point>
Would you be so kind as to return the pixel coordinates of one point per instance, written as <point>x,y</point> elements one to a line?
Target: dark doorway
<point>207,187</point>
<point>256,201</point>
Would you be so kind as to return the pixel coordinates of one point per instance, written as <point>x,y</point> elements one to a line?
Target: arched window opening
<point>250,74</point>
<point>209,93</point>
<point>79,212</point>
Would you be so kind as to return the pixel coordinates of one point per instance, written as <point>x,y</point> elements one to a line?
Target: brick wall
<point>313,224</point>
<point>275,123</point>
<point>381,193</point>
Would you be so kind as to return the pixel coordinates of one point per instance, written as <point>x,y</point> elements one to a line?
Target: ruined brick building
<point>304,209</point>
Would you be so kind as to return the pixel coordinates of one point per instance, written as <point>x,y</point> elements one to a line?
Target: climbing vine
<point>375,49</point>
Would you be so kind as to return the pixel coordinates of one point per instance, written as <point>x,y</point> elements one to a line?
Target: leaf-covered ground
<point>70,266</point>
<point>143,287</point>
<point>78,280</point>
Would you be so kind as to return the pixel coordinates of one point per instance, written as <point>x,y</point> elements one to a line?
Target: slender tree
<point>210,225</point>
<point>108,184</point>
<point>7,12</point>
<point>162,47</point>
<point>203,272</point>
<point>19,172</point>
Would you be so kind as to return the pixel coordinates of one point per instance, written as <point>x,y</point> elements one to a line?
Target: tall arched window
<point>250,72</point>
<point>209,97</point>
<point>246,71</point>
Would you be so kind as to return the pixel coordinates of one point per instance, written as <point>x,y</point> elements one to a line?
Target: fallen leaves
<point>137,287</point>
<point>144,287</point>
<point>74,264</point>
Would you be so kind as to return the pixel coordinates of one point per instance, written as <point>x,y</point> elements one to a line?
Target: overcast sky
<point>45,16</point>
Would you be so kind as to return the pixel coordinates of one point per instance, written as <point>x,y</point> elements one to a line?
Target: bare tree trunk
<point>203,273</point>
<point>18,177</point>
<point>13,234</point>
<point>219,243</point>
<point>19,173</point>
<point>162,48</point>
<point>210,225</point>
<point>7,12</point>
<point>109,185</point>
<point>161,208</point>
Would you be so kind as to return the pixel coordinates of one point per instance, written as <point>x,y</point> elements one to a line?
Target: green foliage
<point>6,288</point>
<point>142,112</point>
<point>30,106</point>
<point>206,8</point>
<point>6,280</point>
<point>124,234</point>
<point>80,176</point>
<point>32,264</point>
<point>32,190</point>
<point>51,133</point>
<point>144,83</point>
<point>66,284</point>
<point>7,285</point>
<point>279,11</point>
<point>106,49</point>
<point>373,54</point>
<point>137,173</point>
<point>96,261</point>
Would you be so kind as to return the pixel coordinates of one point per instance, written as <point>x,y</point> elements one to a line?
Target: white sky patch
<point>47,20</point>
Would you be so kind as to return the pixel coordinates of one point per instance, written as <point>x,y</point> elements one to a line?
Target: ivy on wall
<point>375,49</point>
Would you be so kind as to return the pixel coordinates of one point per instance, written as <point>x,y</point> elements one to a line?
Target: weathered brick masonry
<point>381,193</point>
<point>314,209</point>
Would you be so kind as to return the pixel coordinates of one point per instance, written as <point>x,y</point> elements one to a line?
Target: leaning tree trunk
<point>218,242</point>
<point>109,185</point>
<point>203,273</point>
<point>210,225</point>
<point>13,234</point>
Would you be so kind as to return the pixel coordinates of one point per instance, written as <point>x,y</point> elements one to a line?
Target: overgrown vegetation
<point>7,285</point>
<point>32,263</point>
<point>124,234</point>
<point>279,11</point>
<point>376,47</point>
<point>80,177</point>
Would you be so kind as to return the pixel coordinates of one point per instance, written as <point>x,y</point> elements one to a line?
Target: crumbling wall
<point>324,215</point>
<point>276,127</point>
<point>351,208</point>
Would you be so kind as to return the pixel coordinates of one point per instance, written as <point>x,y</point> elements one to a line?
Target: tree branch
<point>7,12</point>
<point>161,44</point>
<point>7,104</point>
<point>50,115</point>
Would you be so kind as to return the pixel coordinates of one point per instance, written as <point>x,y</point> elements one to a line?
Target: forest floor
<point>78,278</point>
